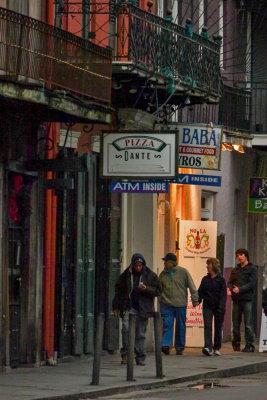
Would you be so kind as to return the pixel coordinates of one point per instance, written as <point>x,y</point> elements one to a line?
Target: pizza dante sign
<point>148,154</point>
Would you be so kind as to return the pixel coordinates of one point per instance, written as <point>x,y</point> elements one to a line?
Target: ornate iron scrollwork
<point>30,148</point>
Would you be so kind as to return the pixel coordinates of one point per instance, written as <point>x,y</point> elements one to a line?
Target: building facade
<point>46,80</point>
<point>91,68</point>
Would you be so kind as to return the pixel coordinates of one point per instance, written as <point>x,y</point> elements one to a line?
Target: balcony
<point>163,52</point>
<point>234,112</point>
<point>32,51</point>
<point>235,115</point>
<point>258,115</point>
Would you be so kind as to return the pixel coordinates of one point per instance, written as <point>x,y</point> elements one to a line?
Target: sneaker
<point>249,348</point>
<point>217,353</point>
<point>179,352</point>
<point>165,350</point>
<point>206,351</point>
<point>123,360</point>
<point>140,362</point>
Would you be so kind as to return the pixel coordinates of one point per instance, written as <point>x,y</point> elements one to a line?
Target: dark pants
<point>208,315</point>
<point>245,308</point>
<point>140,335</point>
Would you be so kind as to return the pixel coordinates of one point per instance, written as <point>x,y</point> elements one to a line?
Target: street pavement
<point>72,380</point>
<point>236,388</point>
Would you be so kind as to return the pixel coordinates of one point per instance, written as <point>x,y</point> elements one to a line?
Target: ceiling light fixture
<point>116,86</point>
<point>187,101</point>
<point>237,147</point>
<point>227,146</point>
<point>133,90</point>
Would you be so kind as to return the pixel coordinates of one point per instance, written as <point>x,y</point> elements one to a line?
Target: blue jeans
<point>168,314</point>
<point>140,335</point>
<point>245,308</point>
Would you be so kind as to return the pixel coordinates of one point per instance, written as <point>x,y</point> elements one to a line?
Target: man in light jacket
<point>175,281</point>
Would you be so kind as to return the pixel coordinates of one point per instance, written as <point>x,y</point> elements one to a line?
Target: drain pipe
<point>49,247</point>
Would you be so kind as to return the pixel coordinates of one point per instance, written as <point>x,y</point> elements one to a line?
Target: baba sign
<point>199,146</point>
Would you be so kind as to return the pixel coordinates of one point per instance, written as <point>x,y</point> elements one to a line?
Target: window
<point>19,6</point>
<point>160,8</point>
<point>207,206</point>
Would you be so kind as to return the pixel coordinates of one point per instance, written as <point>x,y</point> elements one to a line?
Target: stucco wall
<point>240,228</point>
<point>230,205</point>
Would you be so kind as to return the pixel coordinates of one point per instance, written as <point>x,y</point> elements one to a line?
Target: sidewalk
<point>71,380</point>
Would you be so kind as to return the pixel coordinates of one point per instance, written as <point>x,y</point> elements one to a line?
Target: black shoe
<point>236,347</point>
<point>249,348</point>
<point>140,362</point>
<point>123,360</point>
<point>179,352</point>
<point>165,350</point>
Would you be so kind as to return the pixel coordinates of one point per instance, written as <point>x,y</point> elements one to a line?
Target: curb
<point>221,373</point>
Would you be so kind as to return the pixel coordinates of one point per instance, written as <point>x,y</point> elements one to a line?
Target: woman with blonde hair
<point>212,291</point>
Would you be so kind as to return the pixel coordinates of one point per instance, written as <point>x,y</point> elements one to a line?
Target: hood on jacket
<point>135,257</point>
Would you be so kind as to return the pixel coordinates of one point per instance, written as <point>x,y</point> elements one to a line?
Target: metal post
<point>130,350</point>
<point>98,348</point>
<point>157,336</point>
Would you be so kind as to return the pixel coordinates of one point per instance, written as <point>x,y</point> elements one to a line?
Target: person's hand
<point>116,312</point>
<point>235,289</point>
<point>229,293</point>
<point>142,287</point>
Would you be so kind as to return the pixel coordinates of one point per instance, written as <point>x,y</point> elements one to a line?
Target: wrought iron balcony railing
<point>160,46</point>
<point>235,109</point>
<point>33,49</point>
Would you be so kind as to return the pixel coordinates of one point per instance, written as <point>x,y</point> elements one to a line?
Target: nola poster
<point>198,238</point>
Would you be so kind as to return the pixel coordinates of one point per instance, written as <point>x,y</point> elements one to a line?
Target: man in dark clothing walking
<point>135,291</point>
<point>241,286</point>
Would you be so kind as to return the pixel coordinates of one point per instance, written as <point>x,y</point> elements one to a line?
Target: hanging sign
<point>140,154</point>
<point>199,145</point>
<point>257,202</point>
<point>139,187</point>
<point>203,180</point>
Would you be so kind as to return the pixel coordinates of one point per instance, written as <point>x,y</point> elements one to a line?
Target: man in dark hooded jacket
<point>135,291</point>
